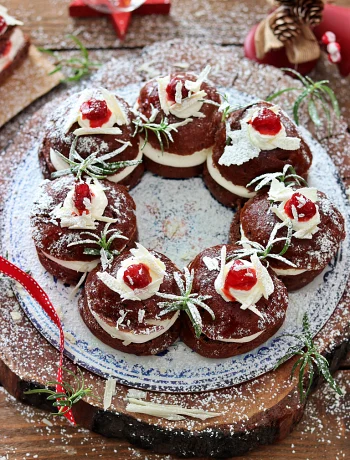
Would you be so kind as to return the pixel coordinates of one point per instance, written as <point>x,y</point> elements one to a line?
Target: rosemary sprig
<point>104,241</point>
<point>309,359</point>
<point>252,247</point>
<point>225,107</point>
<point>93,166</point>
<point>162,130</point>
<point>315,94</point>
<point>71,395</point>
<point>186,301</point>
<point>288,176</point>
<point>81,66</point>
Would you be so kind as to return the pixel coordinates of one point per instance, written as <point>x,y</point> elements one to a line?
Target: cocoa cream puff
<point>94,124</point>
<point>14,45</point>
<point>69,220</point>
<point>186,107</point>
<point>255,140</point>
<point>120,305</point>
<point>317,229</point>
<point>249,303</point>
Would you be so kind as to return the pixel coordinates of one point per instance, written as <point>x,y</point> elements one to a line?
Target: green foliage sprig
<point>162,130</point>
<point>104,241</point>
<point>314,94</point>
<point>93,166</point>
<point>288,176</point>
<point>80,66</point>
<point>309,359</point>
<point>186,301</point>
<point>252,247</point>
<point>71,395</point>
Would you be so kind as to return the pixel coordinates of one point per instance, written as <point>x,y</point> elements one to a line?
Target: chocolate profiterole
<point>68,212</point>
<point>94,122</point>
<point>248,300</point>
<point>255,140</point>
<point>190,106</point>
<point>121,307</point>
<point>317,229</point>
<point>14,45</point>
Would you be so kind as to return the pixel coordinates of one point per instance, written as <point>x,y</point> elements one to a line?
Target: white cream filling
<point>118,112</point>
<point>10,20</point>
<point>189,106</point>
<point>173,160</point>
<point>288,271</point>
<point>17,40</point>
<point>266,141</point>
<point>140,255</point>
<point>131,337</point>
<point>235,189</point>
<point>126,171</point>
<point>263,287</point>
<point>58,163</point>
<point>280,193</point>
<point>70,216</point>
<point>77,265</point>
<point>248,338</point>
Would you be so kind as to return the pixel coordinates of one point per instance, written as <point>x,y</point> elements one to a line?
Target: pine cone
<point>286,2</point>
<point>286,25</point>
<point>309,11</point>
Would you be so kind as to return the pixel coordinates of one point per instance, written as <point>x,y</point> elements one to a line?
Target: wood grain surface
<point>323,432</point>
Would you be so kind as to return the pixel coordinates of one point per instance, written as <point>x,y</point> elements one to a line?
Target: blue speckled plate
<point>175,217</point>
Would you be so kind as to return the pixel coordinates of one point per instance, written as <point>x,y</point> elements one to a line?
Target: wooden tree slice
<point>261,411</point>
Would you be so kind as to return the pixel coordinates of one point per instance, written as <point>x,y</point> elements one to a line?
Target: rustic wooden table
<point>27,433</point>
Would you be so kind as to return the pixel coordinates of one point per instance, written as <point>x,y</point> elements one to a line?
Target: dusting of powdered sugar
<point>178,218</point>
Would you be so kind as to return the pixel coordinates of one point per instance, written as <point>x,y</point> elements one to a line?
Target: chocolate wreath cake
<point>121,307</point>
<point>77,223</point>
<point>187,106</point>
<point>94,124</point>
<point>255,140</point>
<point>316,229</point>
<point>14,44</point>
<point>249,303</point>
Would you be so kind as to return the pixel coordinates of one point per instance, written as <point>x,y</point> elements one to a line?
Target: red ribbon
<point>38,294</point>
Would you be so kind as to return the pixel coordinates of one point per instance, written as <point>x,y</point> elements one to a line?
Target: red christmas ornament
<point>120,21</point>
<point>277,58</point>
<point>337,19</point>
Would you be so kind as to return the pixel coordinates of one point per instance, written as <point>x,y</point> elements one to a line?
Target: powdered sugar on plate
<point>178,218</point>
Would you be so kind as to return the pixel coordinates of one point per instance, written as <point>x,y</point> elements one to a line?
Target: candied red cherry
<point>267,122</point>
<point>3,25</point>
<point>153,96</point>
<point>137,276</point>
<point>171,89</point>
<point>240,279</point>
<point>81,191</point>
<point>5,48</point>
<point>96,112</point>
<point>304,208</point>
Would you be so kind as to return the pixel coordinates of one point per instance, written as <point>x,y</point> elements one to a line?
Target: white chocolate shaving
<point>109,392</point>
<point>167,411</point>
